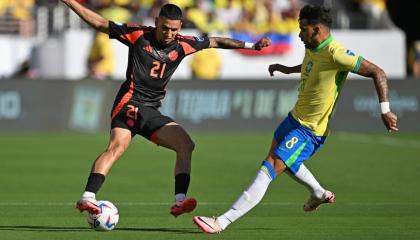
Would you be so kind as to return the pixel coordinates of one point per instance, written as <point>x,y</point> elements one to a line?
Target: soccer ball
<point>107,219</point>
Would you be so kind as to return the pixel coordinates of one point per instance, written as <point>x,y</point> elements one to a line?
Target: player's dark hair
<point>171,11</point>
<point>316,14</point>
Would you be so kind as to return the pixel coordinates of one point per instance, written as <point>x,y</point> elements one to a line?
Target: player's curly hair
<point>171,11</point>
<point>316,14</point>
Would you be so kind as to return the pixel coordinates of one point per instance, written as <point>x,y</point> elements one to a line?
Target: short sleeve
<point>125,33</point>
<point>347,60</point>
<point>192,44</point>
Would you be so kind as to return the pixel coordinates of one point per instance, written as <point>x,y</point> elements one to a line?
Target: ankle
<point>88,194</point>
<point>180,197</point>
<point>223,222</point>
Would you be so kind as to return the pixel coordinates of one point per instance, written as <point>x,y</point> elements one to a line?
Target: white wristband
<point>249,45</point>
<point>385,107</point>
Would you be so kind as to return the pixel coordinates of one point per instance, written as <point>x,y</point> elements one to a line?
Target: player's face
<point>167,29</point>
<point>308,34</point>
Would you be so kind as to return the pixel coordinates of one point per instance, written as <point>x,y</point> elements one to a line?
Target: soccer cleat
<point>184,206</point>
<point>88,204</point>
<point>207,225</point>
<point>314,203</point>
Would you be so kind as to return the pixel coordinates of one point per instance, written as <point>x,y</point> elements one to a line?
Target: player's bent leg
<point>176,138</point>
<point>118,144</point>
<point>119,141</point>
<point>270,169</point>
<point>296,145</point>
<point>275,160</point>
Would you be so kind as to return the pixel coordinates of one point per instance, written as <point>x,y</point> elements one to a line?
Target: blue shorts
<point>296,143</point>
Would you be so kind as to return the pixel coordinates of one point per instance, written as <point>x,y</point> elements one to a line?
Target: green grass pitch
<point>375,178</point>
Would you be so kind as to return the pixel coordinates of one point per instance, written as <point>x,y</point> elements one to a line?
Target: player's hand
<point>262,43</point>
<point>390,121</point>
<point>278,67</point>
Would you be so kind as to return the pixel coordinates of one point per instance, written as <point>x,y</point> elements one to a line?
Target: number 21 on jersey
<point>157,70</point>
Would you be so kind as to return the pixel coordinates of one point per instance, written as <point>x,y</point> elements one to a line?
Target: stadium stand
<point>43,19</point>
<point>16,16</point>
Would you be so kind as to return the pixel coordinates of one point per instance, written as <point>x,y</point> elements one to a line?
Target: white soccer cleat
<point>208,225</point>
<point>314,203</point>
<point>88,204</point>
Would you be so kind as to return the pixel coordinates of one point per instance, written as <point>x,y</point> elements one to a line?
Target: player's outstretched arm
<point>90,17</point>
<point>283,69</point>
<point>228,43</point>
<point>368,69</point>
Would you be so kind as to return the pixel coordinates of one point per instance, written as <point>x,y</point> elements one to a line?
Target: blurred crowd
<point>256,16</point>
<point>17,16</point>
<point>215,16</point>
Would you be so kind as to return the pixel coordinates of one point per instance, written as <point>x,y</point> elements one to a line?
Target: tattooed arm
<point>228,43</point>
<point>368,69</point>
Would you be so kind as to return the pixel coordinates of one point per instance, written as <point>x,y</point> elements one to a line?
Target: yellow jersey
<point>206,64</point>
<point>102,51</point>
<point>323,73</point>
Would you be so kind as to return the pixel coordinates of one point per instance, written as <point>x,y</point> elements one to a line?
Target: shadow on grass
<point>170,230</point>
<point>43,228</point>
<point>83,229</point>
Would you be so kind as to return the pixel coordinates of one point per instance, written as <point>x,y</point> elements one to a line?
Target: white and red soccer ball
<point>107,219</point>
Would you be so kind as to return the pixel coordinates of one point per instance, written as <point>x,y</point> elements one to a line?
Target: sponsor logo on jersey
<point>173,55</point>
<point>199,39</point>
<point>349,52</point>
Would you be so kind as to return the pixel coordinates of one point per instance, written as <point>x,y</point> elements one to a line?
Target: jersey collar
<point>323,44</point>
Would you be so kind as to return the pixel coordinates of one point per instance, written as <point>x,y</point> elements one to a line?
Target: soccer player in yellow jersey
<point>303,132</point>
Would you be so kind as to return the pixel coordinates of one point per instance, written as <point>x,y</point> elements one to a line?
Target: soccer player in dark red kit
<point>154,54</point>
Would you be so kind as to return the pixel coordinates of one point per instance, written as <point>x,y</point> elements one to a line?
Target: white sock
<point>305,177</point>
<point>180,197</point>
<point>250,197</point>
<point>89,195</point>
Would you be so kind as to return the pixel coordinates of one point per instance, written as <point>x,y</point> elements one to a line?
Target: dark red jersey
<point>150,64</point>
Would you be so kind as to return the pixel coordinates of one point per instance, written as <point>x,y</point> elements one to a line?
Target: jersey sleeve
<point>128,34</point>
<point>347,61</point>
<point>191,44</point>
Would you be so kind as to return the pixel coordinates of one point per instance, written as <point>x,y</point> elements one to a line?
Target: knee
<point>189,145</point>
<point>272,157</point>
<point>186,146</point>
<point>278,164</point>
<point>116,149</point>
